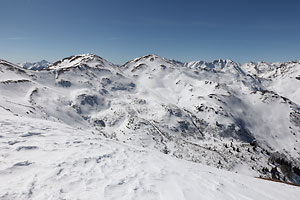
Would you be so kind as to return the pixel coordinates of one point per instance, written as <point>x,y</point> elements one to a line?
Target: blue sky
<point>120,30</point>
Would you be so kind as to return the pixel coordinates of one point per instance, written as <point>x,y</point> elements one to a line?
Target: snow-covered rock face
<point>243,118</point>
<point>36,65</point>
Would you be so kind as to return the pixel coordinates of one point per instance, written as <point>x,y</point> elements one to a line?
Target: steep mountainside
<point>243,118</point>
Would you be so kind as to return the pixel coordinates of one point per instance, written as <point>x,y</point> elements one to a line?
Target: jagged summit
<point>220,63</point>
<point>35,65</point>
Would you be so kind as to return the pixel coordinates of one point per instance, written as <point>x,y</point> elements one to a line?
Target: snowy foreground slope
<point>41,159</point>
<point>242,118</point>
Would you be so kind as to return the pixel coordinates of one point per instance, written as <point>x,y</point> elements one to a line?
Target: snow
<point>47,160</point>
<point>143,116</point>
<point>35,65</point>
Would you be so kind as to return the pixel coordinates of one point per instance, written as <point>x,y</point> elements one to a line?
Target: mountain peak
<point>92,60</point>
<point>35,65</point>
<point>222,61</point>
<point>150,57</point>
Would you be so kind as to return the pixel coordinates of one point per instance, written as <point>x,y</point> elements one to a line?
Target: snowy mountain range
<point>243,118</point>
<point>35,65</point>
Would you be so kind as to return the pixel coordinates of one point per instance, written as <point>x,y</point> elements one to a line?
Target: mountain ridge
<point>272,65</point>
<point>35,65</point>
<point>218,113</point>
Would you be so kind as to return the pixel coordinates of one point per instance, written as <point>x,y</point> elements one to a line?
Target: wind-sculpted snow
<point>243,118</point>
<point>50,160</point>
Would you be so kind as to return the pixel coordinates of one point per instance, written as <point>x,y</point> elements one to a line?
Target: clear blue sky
<point>120,30</point>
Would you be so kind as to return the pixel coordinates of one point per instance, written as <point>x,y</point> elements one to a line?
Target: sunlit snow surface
<point>48,160</point>
<point>88,129</point>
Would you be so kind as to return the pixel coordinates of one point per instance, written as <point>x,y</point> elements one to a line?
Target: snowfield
<point>50,160</point>
<point>153,128</point>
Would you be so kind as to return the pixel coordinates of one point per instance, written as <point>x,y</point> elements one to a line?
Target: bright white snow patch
<point>48,160</point>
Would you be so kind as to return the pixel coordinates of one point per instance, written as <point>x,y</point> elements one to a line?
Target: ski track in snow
<point>48,160</point>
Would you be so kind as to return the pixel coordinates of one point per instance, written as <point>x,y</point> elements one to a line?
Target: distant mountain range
<point>35,65</point>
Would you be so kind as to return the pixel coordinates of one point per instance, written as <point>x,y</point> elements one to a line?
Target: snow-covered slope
<point>280,77</point>
<point>50,160</point>
<point>220,113</point>
<point>35,65</point>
